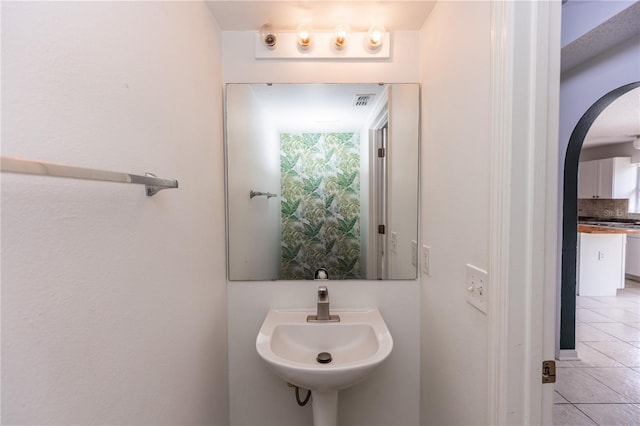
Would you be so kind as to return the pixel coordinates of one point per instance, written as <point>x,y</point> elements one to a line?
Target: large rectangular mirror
<point>322,176</point>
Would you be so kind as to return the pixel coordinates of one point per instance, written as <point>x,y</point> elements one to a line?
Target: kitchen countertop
<point>595,229</point>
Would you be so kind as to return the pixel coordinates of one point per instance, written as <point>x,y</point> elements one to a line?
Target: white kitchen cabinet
<point>601,264</point>
<point>606,178</point>
<point>633,256</point>
<point>588,179</point>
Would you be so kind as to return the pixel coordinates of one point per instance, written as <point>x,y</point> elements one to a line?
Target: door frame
<point>523,209</point>
<point>376,243</point>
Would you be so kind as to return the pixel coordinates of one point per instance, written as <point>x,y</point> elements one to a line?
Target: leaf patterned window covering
<point>320,205</point>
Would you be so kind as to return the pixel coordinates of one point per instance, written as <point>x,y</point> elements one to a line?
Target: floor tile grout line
<point>593,403</point>
<point>633,329</point>
<point>603,384</point>
<point>615,360</point>
<point>613,320</point>
<point>603,354</point>
<point>623,396</point>
<point>587,415</point>
<point>599,403</point>
<point>602,331</point>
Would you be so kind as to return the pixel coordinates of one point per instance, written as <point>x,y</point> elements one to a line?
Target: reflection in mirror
<point>322,176</point>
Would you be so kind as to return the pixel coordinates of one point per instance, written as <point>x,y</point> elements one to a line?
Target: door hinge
<point>548,371</point>
<point>381,152</point>
<point>380,229</point>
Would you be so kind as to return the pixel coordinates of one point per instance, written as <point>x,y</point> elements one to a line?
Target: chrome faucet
<point>323,304</point>
<point>323,314</point>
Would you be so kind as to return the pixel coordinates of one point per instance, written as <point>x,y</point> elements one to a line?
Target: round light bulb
<point>304,36</point>
<point>376,36</point>
<point>268,36</point>
<point>340,36</point>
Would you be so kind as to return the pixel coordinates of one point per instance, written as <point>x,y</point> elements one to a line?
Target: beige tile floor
<point>603,388</point>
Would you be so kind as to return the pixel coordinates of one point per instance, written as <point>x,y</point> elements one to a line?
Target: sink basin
<point>357,345</point>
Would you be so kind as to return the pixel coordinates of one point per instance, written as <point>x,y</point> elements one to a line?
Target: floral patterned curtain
<point>320,205</point>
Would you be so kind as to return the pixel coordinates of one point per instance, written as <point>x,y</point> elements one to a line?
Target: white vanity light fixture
<point>269,36</point>
<point>336,43</point>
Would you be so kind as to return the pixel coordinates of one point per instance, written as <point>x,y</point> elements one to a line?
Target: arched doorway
<point>570,215</point>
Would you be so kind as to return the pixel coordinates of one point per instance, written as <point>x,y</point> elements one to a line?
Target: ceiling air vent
<point>362,100</point>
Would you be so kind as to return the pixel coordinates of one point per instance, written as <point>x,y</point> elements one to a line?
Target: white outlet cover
<point>477,288</point>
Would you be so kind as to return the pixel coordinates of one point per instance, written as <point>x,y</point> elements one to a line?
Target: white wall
<point>622,149</point>
<point>254,252</point>
<point>391,397</point>
<point>113,303</point>
<point>455,209</point>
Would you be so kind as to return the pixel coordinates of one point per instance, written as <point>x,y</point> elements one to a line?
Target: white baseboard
<point>568,355</point>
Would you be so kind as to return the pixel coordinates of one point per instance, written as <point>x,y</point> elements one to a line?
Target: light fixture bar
<point>323,47</point>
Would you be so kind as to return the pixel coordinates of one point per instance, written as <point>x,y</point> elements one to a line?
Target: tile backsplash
<point>604,208</point>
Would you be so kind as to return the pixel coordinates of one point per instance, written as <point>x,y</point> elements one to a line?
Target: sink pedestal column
<point>325,408</point>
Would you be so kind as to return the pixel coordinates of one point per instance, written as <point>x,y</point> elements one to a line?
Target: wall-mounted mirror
<point>322,176</point>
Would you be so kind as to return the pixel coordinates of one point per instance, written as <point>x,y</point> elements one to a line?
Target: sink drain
<point>324,358</point>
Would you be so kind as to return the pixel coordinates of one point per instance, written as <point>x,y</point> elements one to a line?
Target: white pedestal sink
<point>357,345</point>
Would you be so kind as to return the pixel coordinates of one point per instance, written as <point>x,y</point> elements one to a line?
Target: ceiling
<point>619,122</point>
<point>603,38</point>
<point>240,15</point>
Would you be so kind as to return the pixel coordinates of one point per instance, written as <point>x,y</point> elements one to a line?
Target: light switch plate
<point>477,288</point>
<point>394,242</point>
